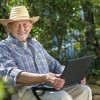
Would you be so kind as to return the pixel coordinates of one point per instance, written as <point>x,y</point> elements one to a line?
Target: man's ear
<point>30,26</point>
<point>9,28</point>
<point>6,29</point>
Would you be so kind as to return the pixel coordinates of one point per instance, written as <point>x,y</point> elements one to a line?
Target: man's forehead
<point>21,21</point>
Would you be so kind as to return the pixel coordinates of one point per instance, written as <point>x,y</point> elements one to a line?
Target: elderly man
<point>25,62</point>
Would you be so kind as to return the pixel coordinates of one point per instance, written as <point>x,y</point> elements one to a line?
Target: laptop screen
<point>76,70</point>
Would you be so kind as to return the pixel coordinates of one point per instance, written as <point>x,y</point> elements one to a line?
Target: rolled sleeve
<point>13,75</point>
<point>8,68</point>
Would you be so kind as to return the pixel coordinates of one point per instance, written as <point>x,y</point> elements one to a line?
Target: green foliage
<point>58,18</point>
<point>2,90</point>
<point>62,18</point>
<point>6,90</point>
<point>4,13</point>
<point>41,35</point>
<point>2,93</point>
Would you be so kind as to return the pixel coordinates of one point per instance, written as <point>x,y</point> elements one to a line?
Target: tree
<point>92,39</point>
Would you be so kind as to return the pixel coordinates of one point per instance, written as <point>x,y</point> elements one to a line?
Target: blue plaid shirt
<point>14,58</point>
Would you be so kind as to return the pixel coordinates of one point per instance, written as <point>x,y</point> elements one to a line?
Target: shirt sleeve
<point>8,68</point>
<point>53,64</point>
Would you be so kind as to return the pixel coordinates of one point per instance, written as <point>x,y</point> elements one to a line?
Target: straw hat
<point>17,14</point>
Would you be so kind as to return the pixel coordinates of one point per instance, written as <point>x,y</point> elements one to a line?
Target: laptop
<point>76,70</point>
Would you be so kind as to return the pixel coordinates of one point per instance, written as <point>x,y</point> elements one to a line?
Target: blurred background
<point>67,29</point>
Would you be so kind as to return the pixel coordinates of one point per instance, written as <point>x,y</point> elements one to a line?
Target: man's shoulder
<point>4,42</point>
<point>35,41</point>
<point>2,45</point>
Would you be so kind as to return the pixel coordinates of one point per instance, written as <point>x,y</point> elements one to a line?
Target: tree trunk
<point>91,38</point>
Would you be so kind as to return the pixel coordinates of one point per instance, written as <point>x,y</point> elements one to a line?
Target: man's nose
<point>21,27</point>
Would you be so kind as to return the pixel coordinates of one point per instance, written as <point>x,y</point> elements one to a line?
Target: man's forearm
<point>30,78</point>
<point>25,78</point>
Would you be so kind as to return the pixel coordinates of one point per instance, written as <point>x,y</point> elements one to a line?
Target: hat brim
<point>6,21</point>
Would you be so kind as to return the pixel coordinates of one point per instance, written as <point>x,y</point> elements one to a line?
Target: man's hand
<point>83,82</point>
<point>55,80</point>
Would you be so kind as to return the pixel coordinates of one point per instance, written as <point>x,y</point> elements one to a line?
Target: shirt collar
<point>17,42</point>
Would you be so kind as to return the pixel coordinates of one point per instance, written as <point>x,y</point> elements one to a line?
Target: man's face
<point>20,29</point>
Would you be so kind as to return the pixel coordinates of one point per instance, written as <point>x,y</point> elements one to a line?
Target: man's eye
<point>16,25</point>
<point>25,24</point>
